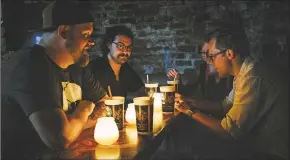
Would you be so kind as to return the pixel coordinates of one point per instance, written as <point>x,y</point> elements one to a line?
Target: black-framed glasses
<point>210,58</point>
<point>123,47</point>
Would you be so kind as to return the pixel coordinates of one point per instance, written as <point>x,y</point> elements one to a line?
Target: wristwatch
<point>190,112</point>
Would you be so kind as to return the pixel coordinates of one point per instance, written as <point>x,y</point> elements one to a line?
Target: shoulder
<point>97,64</point>
<point>16,67</point>
<point>128,72</point>
<point>127,67</point>
<point>98,61</point>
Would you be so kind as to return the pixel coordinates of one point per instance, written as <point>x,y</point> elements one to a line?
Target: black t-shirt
<point>129,80</point>
<point>31,82</point>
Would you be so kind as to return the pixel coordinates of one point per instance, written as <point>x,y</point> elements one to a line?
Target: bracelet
<point>190,113</point>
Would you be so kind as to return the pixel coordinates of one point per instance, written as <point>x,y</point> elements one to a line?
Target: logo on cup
<point>144,114</point>
<point>114,108</point>
<point>168,94</point>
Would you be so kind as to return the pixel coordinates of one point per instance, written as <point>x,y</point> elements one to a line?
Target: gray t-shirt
<point>31,82</point>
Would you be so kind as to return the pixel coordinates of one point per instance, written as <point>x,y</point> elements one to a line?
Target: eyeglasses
<point>210,58</point>
<point>123,47</point>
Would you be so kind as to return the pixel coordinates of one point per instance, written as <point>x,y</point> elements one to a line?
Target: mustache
<point>124,55</point>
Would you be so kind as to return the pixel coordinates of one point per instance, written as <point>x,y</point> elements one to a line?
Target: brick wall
<point>168,32</point>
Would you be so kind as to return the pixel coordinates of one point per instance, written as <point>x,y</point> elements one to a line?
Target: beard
<point>120,59</point>
<point>84,60</point>
<point>81,58</point>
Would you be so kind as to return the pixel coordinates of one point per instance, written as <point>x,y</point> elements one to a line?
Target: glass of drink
<point>115,108</point>
<point>174,83</point>
<point>168,95</point>
<point>144,115</point>
<point>150,88</point>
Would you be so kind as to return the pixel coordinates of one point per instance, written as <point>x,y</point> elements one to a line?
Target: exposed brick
<point>180,56</point>
<point>141,49</point>
<point>186,48</point>
<point>155,49</point>
<point>173,55</point>
<point>159,26</point>
<point>184,32</point>
<point>127,13</point>
<point>183,63</point>
<point>142,34</point>
<point>180,24</point>
<point>139,26</point>
<point>112,14</point>
<point>148,19</point>
<point>114,21</point>
<point>175,2</point>
<point>163,19</point>
<point>128,20</point>
<point>195,56</point>
<point>177,25</point>
<point>109,8</point>
<point>182,11</point>
<point>128,6</point>
<point>140,42</point>
<point>147,9</point>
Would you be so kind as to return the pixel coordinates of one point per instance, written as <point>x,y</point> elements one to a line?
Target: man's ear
<point>230,54</point>
<point>62,31</point>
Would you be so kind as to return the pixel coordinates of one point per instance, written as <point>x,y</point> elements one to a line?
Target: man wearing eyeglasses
<point>112,68</point>
<point>214,90</point>
<point>256,123</point>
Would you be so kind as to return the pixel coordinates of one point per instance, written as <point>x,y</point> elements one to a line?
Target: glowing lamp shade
<point>157,115</point>
<point>106,131</point>
<point>130,114</point>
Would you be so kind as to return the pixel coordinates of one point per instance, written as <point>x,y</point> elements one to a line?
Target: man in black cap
<point>48,98</point>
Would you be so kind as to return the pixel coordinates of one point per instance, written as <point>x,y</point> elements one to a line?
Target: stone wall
<point>168,32</point>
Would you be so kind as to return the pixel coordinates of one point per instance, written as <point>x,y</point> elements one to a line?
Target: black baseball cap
<point>63,12</point>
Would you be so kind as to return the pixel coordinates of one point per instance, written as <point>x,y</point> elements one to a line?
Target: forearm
<point>208,106</point>
<point>210,122</point>
<point>90,123</point>
<point>75,124</point>
<point>99,111</point>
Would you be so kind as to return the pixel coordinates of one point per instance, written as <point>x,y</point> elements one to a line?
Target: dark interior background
<point>168,33</point>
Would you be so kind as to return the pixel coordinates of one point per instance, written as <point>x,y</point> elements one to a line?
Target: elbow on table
<point>60,143</point>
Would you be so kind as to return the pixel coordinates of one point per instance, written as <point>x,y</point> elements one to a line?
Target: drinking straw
<point>109,90</point>
<point>175,84</point>
<point>147,78</point>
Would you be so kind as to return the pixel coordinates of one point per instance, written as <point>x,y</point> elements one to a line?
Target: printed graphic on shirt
<point>71,93</point>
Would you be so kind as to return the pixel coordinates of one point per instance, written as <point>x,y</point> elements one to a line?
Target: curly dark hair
<point>111,34</point>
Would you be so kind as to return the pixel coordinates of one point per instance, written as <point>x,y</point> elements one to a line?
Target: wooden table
<point>127,146</point>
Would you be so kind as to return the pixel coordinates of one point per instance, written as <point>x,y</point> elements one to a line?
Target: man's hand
<point>178,97</point>
<point>181,107</point>
<point>172,73</point>
<point>84,109</point>
<point>190,101</point>
<point>99,111</point>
